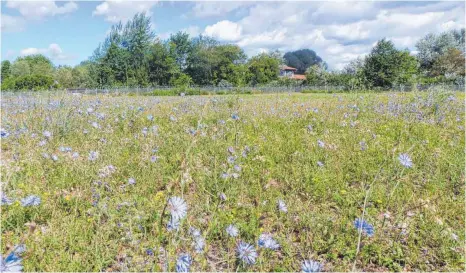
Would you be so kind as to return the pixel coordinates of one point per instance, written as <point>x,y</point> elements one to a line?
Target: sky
<point>338,31</point>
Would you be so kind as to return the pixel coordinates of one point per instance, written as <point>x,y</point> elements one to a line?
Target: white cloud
<point>336,31</point>
<point>36,10</point>
<point>32,11</point>
<point>12,23</point>
<point>193,31</point>
<point>53,51</point>
<point>119,10</point>
<point>224,30</point>
<point>215,9</point>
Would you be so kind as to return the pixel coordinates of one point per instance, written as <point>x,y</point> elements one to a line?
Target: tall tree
<point>432,46</point>
<point>162,65</point>
<point>180,48</point>
<point>450,65</point>
<point>263,68</point>
<point>20,68</point>
<point>302,59</point>
<point>64,76</point>
<point>386,66</point>
<point>6,70</point>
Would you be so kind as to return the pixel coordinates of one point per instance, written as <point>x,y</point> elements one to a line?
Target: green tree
<point>450,65</point>
<point>38,64</point>
<point>317,75</point>
<point>181,81</point>
<point>6,70</point>
<point>20,68</point>
<point>64,76</point>
<point>162,65</point>
<point>386,66</point>
<point>81,76</point>
<point>180,48</point>
<point>121,58</point>
<point>201,59</point>
<point>432,46</point>
<point>34,82</point>
<point>263,68</point>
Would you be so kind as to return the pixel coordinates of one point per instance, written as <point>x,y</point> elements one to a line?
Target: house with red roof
<point>290,72</point>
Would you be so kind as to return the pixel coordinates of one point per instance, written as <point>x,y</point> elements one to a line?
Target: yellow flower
<point>343,192</point>
<point>68,198</point>
<point>159,196</point>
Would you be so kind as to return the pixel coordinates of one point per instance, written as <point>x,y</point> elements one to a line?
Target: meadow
<point>271,182</point>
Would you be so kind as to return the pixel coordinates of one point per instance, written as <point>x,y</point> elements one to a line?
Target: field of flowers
<point>280,182</point>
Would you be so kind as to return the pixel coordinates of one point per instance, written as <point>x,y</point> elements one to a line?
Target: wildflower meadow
<point>269,182</point>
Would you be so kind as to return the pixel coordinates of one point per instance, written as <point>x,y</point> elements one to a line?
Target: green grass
<point>425,203</point>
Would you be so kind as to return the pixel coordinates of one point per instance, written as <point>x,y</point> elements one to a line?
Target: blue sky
<point>339,32</point>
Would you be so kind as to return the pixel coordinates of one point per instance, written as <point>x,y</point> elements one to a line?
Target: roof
<point>285,67</point>
<point>299,77</point>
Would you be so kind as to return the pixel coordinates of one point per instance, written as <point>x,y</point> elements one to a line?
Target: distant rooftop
<point>285,67</point>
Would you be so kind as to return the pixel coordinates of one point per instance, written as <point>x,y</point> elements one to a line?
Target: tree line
<point>131,55</point>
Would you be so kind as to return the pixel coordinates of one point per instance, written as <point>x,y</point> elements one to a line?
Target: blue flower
<point>47,134</point>
<point>153,158</point>
<point>232,230</point>
<point>150,117</point>
<point>309,266</point>
<point>173,224</point>
<point>321,143</point>
<point>4,133</point>
<point>366,228</point>
<point>195,232</point>
<point>246,253</point>
<point>222,196</point>
<point>6,200</point>
<point>131,181</point>
<point>12,263</point>
<point>405,160</point>
<point>183,263</point>
<point>266,241</point>
<point>363,145</point>
<point>282,206</point>
<point>93,155</point>
<point>31,200</point>
<point>178,207</point>
<point>150,252</point>
<point>235,117</point>
<point>199,243</point>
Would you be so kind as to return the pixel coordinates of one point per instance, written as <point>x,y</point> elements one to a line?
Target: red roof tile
<point>299,77</point>
<point>285,67</point>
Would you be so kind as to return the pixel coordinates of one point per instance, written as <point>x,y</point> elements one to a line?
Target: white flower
<point>282,206</point>
<point>178,207</point>
<point>232,230</point>
<point>266,241</point>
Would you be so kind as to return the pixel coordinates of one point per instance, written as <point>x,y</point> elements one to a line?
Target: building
<point>290,72</point>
